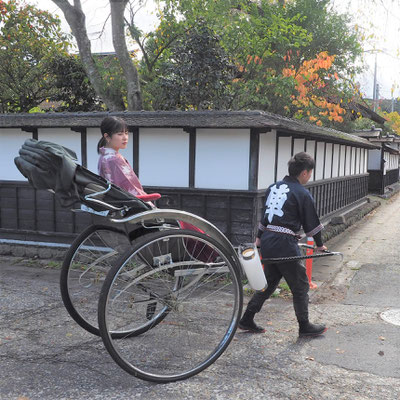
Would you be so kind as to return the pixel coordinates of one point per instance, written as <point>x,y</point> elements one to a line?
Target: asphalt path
<point>46,355</point>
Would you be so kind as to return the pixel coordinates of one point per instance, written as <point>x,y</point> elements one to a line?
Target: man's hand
<point>321,248</point>
<point>258,242</point>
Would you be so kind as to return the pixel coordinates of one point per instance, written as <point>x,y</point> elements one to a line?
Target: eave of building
<point>367,135</point>
<point>390,149</point>
<point>257,121</point>
<point>382,140</point>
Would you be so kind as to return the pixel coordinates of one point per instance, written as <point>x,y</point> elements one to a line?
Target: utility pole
<point>376,96</point>
<point>374,93</point>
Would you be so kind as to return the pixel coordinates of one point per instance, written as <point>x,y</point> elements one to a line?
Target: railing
<point>235,212</point>
<point>391,176</point>
<point>26,213</point>
<point>333,194</point>
<point>29,214</point>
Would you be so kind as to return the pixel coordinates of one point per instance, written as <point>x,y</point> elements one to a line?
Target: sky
<point>96,12</point>
<point>378,20</point>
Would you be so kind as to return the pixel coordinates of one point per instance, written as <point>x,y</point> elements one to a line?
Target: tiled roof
<point>186,119</point>
<point>390,148</point>
<point>368,133</point>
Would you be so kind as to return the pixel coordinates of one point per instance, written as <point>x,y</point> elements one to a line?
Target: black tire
<point>81,285</point>
<point>196,284</point>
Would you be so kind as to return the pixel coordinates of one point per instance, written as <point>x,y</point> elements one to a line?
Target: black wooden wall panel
<point>29,213</point>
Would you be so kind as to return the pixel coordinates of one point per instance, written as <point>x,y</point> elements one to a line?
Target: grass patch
<point>30,262</point>
<point>282,291</point>
<point>53,264</point>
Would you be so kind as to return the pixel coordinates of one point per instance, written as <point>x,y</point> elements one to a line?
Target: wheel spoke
<point>85,267</point>
<point>195,290</point>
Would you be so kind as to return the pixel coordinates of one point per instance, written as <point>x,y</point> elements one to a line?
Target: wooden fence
<point>29,214</point>
<point>333,194</point>
<point>392,176</point>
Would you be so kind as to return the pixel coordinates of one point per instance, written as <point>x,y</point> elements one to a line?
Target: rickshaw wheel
<point>190,285</point>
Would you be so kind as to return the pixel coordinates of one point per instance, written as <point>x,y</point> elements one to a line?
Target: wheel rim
<point>88,268</point>
<point>192,284</point>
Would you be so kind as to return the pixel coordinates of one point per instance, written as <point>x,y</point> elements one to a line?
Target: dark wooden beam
<point>83,131</point>
<point>192,155</point>
<point>254,159</point>
<point>276,155</point>
<point>135,144</point>
<point>32,130</point>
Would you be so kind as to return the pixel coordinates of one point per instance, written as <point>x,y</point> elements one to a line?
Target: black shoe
<point>250,326</point>
<point>309,329</point>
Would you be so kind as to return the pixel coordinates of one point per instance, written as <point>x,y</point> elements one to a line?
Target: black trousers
<point>295,275</point>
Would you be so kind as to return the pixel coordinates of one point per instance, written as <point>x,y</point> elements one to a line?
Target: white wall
<point>353,161</point>
<point>342,160</point>
<point>266,160</point>
<point>394,161</point>
<point>12,140</point>
<point>366,160</point>
<point>298,145</point>
<point>319,161</point>
<point>335,166</point>
<point>310,149</point>
<point>385,164</point>
<point>391,161</point>
<point>284,155</point>
<point>362,161</point>
<point>164,157</point>
<point>64,137</point>
<point>93,137</point>
<point>328,161</point>
<point>348,161</point>
<point>374,159</point>
<point>222,158</point>
<point>358,158</point>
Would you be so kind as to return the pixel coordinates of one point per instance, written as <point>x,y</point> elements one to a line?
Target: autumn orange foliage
<point>393,119</point>
<point>307,79</point>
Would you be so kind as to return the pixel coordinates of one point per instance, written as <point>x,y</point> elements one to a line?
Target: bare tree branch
<point>129,69</point>
<point>76,20</point>
<point>103,27</point>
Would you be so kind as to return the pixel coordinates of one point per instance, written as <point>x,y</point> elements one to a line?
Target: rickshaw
<point>166,301</point>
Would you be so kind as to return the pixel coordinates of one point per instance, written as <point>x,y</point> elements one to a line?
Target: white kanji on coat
<point>275,201</point>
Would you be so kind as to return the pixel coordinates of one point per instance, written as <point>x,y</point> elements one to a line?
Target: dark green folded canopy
<point>51,166</point>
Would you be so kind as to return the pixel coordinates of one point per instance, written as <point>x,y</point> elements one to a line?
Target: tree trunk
<point>130,72</point>
<point>76,20</point>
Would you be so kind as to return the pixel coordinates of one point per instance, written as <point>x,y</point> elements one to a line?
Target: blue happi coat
<point>288,209</point>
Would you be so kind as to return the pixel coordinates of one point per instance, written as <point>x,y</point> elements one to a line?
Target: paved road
<point>45,355</point>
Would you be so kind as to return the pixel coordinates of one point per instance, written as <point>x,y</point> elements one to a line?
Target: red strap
<point>186,225</point>
<point>149,197</point>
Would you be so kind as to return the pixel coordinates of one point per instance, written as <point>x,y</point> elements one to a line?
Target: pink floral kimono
<point>117,170</point>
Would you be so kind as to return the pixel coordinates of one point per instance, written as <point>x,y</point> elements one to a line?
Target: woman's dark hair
<point>300,162</point>
<point>110,125</point>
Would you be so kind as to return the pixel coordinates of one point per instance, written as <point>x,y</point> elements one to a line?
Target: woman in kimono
<point>288,208</point>
<point>112,166</point>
